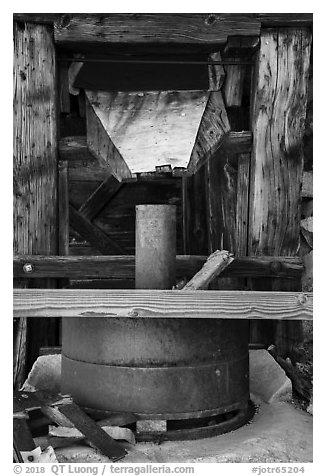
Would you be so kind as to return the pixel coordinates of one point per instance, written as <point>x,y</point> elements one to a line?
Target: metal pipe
<point>136,61</point>
<point>155,246</point>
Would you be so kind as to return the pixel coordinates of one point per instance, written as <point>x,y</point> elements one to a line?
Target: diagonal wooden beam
<point>100,198</point>
<point>212,130</point>
<point>93,234</point>
<point>100,145</point>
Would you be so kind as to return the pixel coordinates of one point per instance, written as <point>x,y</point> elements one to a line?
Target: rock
<point>44,375</point>
<point>306,228</point>
<point>268,381</point>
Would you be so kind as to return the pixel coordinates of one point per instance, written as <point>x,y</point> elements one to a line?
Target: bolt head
<point>28,268</point>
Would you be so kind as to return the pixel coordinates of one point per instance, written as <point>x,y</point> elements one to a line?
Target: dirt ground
<point>279,432</point>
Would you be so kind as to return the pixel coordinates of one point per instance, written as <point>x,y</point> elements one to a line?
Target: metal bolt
<point>28,268</point>
<point>30,458</point>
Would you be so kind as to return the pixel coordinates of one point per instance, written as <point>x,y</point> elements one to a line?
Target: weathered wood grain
<point>216,73</point>
<point>35,159</point>
<point>215,264</point>
<point>101,145</point>
<point>278,118</point>
<point>202,28</point>
<point>194,213</point>
<point>64,97</point>
<point>241,218</point>
<point>63,208</point>
<point>212,130</point>
<point>157,303</point>
<point>233,84</point>
<point>100,198</point>
<point>150,129</point>
<point>123,267</point>
<point>266,19</point>
<point>94,235</point>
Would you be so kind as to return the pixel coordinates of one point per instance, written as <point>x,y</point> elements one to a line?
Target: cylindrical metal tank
<point>157,368</point>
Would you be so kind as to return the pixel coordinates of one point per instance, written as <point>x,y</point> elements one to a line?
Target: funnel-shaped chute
<point>136,132</point>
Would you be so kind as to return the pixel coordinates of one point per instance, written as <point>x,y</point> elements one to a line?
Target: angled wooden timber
<point>92,233</point>
<point>100,198</point>
<point>149,129</point>
<point>93,432</point>
<point>123,267</point>
<point>101,145</point>
<point>216,73</point>
<point>157,303</point>
<point>212,130</point>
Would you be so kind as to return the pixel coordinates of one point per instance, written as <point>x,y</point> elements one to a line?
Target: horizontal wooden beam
<point>265,19</point>
<point>182,28</point>
<point>123,267</point>
<point>157,303</point>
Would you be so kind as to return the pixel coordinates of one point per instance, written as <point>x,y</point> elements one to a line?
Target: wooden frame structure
<point>265,221</point>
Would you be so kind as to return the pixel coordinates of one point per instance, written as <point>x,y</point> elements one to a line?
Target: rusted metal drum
<point>157,368</point>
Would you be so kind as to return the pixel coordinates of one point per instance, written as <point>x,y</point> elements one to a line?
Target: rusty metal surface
<point>159,392</point>
<point>205,431</point>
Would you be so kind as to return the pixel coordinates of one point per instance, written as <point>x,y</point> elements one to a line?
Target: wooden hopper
<point>135,132</point>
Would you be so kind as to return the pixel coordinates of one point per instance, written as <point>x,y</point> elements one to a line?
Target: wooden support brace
<point>214,265</point>
<point>100,198</point>
<point>92,233</point>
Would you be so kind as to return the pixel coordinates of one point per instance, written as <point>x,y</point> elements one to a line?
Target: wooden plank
<point>242,207</point>
<point>240,142</point>
<point>64,97</point>
<point>194,214</point>
<point>212,130</point>
<point>92,233</point>
<point>161,132</point>
<point>100,198</point>
<point>147,28</point>
<point>35,160</point>
<point>266,19</point>
<point>278,117</point>
<point>100,145</point>
<point>63,204</point>
<point>216,73</point>
<point>93,432</point>
<point>123,267</point>
<point>233,84</point>
<point>83,166</point>
<point>157,303</point>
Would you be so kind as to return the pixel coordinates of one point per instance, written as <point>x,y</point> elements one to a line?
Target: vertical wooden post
<point>194,213</point>
<point>278,118</point>
<point>227,206</point>
<point>35,161</point>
